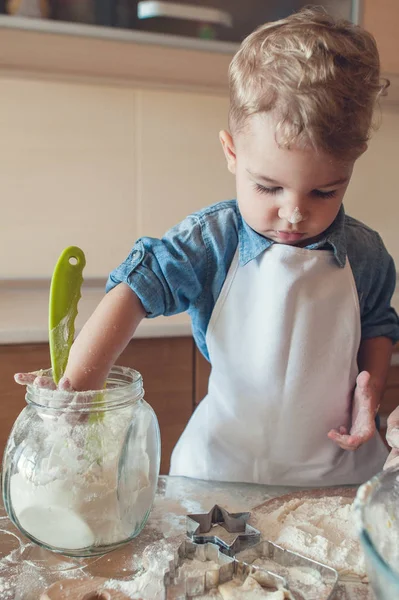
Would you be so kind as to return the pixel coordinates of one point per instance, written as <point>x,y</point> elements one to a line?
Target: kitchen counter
<point>26,569</point>
<point>24,314</point>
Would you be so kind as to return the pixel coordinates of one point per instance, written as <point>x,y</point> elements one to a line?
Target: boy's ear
<point>229,150</point>
<point>363,149</point>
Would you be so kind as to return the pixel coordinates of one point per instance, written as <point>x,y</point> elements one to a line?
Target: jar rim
<point>124,386</point>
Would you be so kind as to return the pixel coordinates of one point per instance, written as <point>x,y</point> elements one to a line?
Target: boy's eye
<point>321,194</point>
<point>267,190</point>
<point>261,189</point>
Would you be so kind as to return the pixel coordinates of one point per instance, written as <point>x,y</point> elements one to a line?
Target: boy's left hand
<point>363,428</point>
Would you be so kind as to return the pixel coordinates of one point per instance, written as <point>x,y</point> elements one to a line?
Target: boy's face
<point>288,196</point>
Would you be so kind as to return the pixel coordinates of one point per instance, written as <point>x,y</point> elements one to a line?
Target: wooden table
<point>26,569</point>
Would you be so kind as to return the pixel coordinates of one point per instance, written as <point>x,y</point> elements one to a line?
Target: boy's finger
<point>347,442</point>
<point>65,385</point>
<point>45,382</point>
<point>393,419</point>
<point>393,437</point>
<point>362,384</point>
<point>25,378</point>
<point>392,460</point>
<point>35,378</point>
<point>341,431</point>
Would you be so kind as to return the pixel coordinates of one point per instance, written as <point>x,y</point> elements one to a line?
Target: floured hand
<point>69,402</point>
<point>393,439</point>
<point>42,381</point>
<point>363,416</point>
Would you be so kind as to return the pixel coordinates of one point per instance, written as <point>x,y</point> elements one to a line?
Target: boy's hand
<point>363,416</point>
<point>36,378</point>
<point>393,439</point>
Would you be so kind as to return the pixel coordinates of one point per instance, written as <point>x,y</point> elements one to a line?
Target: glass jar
<point>376,511</point>
<point>80,470</point>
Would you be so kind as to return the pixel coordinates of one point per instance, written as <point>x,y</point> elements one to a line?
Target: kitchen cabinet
<point>104,55</point>
<point>229,21</point>
<point>166,365</point>
<point>202,371</point>
<point>381,18</point>
<point>175,376</point>
<point>13,359</point>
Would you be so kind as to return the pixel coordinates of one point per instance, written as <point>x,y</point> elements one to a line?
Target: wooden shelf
<point>104,54</point>
<point>53,49</point>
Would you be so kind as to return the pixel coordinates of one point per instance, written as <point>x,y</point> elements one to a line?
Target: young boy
<point>289,297</point>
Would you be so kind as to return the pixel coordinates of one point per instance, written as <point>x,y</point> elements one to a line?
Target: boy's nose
<point>292,215</point>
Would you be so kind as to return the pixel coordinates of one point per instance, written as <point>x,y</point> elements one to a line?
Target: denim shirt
<point>186,269</point>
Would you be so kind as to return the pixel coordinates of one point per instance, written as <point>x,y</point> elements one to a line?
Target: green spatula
<point>63,306</point>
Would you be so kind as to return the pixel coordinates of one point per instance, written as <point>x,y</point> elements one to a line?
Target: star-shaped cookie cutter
<point>188,585</point>
<point>201,524</point>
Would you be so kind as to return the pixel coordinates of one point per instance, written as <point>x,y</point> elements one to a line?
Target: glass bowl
<point>377,519</point>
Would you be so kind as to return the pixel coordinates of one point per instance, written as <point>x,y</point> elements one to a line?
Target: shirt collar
<point>251,244</point>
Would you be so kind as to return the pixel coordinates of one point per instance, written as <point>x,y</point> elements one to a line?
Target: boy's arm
<point>374,360</point>
<point>102,339</point>
<point>375,357</point>
<point>375,277</point>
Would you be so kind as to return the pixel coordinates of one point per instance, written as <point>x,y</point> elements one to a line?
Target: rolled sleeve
<point>169,274</point>
<point>379,317</point>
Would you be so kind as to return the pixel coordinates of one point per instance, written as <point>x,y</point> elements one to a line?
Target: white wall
<point>98,166</point>
<point>373,195</point>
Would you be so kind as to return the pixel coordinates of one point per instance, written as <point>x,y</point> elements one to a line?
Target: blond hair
<point>321,78</point>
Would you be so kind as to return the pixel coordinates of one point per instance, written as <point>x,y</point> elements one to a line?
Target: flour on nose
<point>296,216</point>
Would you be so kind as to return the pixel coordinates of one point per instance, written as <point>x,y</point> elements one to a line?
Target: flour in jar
<point>78,491</point>
<point>321,529</point>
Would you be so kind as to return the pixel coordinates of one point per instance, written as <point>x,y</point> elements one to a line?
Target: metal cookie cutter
<point>294,568</point>
<point>181,585</point>
<point>200,525</point>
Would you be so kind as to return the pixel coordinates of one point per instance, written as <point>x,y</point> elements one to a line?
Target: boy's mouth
<point>289,236</point>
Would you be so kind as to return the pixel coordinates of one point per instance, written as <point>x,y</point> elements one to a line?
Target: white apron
<point>283,341</point>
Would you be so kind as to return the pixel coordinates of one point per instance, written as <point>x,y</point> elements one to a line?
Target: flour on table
<point>305,580</point>
<point>205,570</point>
<point>6,591</point>
<point>149,585</point>
<point>321,529</point>
<point>250,590</point>
<point>194,567</point>
<point>146,586</point>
